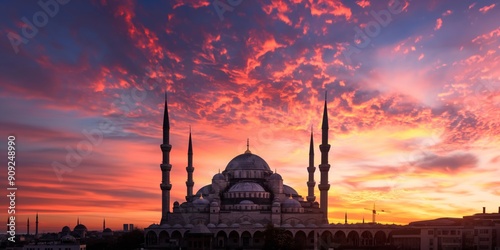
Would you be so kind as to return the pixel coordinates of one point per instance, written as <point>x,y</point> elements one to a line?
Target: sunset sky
<point>413,96</point>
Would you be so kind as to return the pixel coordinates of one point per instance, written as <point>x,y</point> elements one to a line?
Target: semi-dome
<point>246,202</point>
<point>246,187</point>
<point>205,191</point>
<point>247,161</point>
<point>289,191</point>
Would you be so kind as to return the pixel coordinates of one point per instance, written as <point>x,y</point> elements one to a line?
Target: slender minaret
<point>190,169</point>
<point>36,225</point>
<point>311,169</point>
<point>28,226</point>
<point>77,220</point>
<point>345,218</point>
<point>165,166</point>
<point>103,224</point>
<point>324,167</point>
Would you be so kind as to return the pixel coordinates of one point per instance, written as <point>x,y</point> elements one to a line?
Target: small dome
<point>80,227</point>
<point>107,230</point>
<point>219,176</point>
<point>154,225</point>
<point>66,229</point>
<point>291,203</point>
<point>276,204</point>
<point>246,187</point>
<point>246,202</point>
<point>276,176</point>
<point>200,229</point>
<point>214,204</point>
<point>201,201</point>
<point>68,238</point>
<point>247,161</point>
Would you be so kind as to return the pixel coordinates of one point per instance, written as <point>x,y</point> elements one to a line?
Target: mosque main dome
<point>246,187</point>
<point>247,161</point>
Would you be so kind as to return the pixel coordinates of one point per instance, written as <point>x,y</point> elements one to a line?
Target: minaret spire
<point>248,147</point>
<point>311,169</point>
<point>324,167</point>
<point>166,123</point>
<point>165,166</point>
<point>190,169</point>
<point>28,226</point>
<point>36,226</point>
<point>103,224</point>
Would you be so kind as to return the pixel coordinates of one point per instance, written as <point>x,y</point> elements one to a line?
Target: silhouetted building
<point>234,209</point>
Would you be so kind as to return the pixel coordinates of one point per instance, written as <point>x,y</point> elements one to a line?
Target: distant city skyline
<point>413,87</point>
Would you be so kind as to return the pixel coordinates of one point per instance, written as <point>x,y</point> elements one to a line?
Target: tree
<point>277,238</point>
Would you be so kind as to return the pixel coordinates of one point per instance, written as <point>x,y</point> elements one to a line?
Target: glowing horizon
<point>413,105</point>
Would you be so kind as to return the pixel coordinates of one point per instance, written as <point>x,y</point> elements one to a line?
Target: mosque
<point>232,212</point>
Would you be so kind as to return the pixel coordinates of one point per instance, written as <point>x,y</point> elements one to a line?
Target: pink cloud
<point>486,8</point>
<point>363,3</point>
<point>439,23</point>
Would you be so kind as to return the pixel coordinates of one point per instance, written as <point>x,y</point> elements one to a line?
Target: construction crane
<point>375,211</point>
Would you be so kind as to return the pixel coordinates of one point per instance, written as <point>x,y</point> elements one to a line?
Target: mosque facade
<point>232,212</point>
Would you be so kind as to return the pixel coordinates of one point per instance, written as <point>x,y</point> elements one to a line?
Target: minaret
<point>165,166</point>
<point>345,218</point>
<point>36,226</point>
<point>28,226</point>
<point>324,167</point>
<point>190,169</point>
<point>311,169</point>
<point>77,220</point>
<point>103,224</point>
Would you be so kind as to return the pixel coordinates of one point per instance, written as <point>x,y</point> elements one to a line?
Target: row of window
<point>247,207</point>
<point>445,232</point>
<point>248,174</point>
<point>247,195</point>
<point>51,248</point>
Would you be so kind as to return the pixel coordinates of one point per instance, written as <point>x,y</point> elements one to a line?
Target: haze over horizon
<point>413,100</point>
